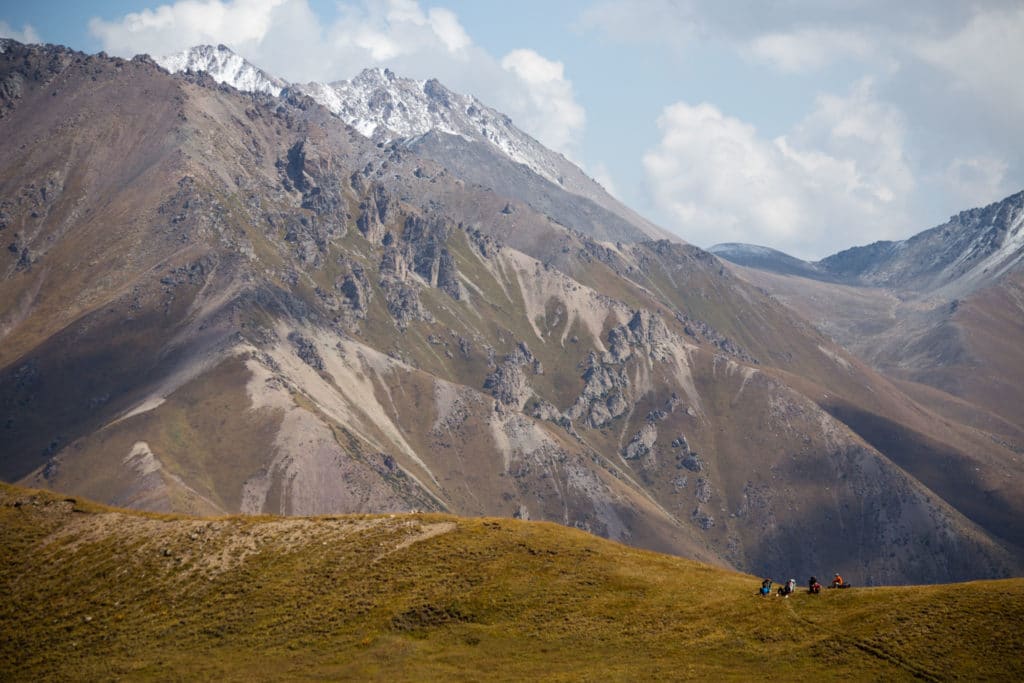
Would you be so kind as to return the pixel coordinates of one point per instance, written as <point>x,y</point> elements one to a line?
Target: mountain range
<point>217,298</point>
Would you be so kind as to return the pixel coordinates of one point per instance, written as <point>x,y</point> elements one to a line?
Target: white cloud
<point>447,27</point>
<point>985,58</point>
<point>27,34</point>
<point>170,28</point>
<point>377,30</point>
<point>670,22</point>
<point>808,49</point>
<point>400,11</point>
<point>976,181</point>
<point>841,171</point>
<point>288,39</point>
<point>392,29</point>
<point>554,115</point>
<point>864,132</point>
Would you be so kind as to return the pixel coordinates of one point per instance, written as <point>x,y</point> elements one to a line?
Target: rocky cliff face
<point>242,304</point>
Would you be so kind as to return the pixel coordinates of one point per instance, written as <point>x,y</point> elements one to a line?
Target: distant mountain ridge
<point>971,249</point>
<point>975,246</point>
<point>766,258</point>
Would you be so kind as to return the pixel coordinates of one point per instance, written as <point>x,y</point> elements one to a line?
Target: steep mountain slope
<point>225,302</point>
<point>483,165</point>
<point>424,597</point>
<point>386,107</point>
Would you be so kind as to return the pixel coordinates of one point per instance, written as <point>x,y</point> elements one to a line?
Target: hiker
<point>787,588</point>
<point>837,582</point>
<point>766,588</point>
<point>813,586</point>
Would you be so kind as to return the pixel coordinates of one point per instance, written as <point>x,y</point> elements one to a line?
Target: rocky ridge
<point>971,250</point>
<point>386,107</point>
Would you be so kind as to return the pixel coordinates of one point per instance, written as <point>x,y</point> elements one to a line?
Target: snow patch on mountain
<point>1006,242</point>
<point>224,66</point>
<point>386,107</point>
<point>972,249</point>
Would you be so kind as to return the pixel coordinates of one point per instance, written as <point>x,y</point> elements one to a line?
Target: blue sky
<point>807,126</point>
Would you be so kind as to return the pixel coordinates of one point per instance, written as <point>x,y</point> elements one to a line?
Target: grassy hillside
<point>91,593</point>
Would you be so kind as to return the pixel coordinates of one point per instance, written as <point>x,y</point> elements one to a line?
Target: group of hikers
<point>788,588</point>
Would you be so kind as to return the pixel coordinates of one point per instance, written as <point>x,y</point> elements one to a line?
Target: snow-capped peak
<point>386,107</point>
<point>224,66</point>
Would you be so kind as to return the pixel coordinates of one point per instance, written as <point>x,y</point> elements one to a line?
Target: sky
<point>809,126</point>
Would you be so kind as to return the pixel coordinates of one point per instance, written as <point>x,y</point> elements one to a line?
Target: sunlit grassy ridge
<point>92,593</point>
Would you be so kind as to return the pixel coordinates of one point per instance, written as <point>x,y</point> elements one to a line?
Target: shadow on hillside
<point>945,470</point>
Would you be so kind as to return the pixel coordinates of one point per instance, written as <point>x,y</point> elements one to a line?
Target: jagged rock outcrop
<point>604,393</point>
<point>698,329</point>
<point>374,210</point>
<point>448,277</point>
<point>645,331</point>
<point>425,240</point>
<point>294,168</point>
<point>543,410</point>
<point>305,170</point>
<point>692,462</point>
<point>642,442</point>
<point>393,263</point>
<point>509,382</point>
<point>484,243</point>
<point>306,350</point>
<point>403,302</point>
<point>356,288</point>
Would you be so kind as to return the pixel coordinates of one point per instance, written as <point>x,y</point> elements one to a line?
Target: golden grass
<point>89,593</point>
